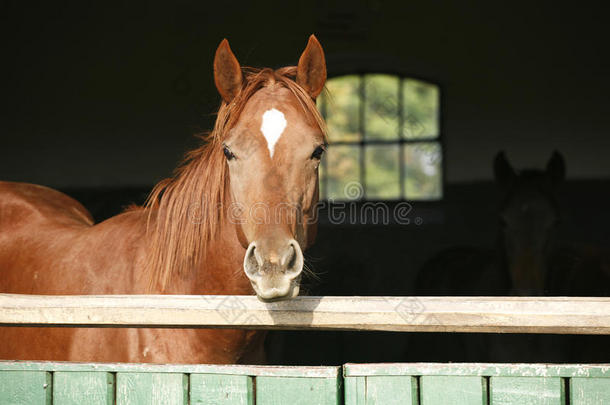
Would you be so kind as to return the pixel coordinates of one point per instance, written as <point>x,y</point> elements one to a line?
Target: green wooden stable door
<point>32,383</point>
<point>476,384</point>
<point>27,383</point>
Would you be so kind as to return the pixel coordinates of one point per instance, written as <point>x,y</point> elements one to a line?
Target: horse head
<point>272,144</point>
<point>529,216</point>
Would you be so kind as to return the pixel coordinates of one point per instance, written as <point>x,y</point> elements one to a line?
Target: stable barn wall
<point>102,101</point>
<point>425,384</point>
<point>99,95</point>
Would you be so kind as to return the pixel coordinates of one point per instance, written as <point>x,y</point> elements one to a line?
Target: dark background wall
<point>102,101</point>
<point>117,91</point>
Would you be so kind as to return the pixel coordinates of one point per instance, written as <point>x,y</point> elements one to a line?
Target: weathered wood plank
<point>527,390</point>
<point>77,388</point>
<point>381,390</point>
<point>478,369</point>
<point>584,315</point>
<point>218,389</point>
<point>453,390</point>
<point>151,388</point>
<point>273,371</point>
<point>589,391</point>
<point>298,391</point>
<point>25,388</point>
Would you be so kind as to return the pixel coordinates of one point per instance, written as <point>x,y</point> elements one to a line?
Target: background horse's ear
<point>227,72</point>
<point>556,168</point>
<point>503,171</point>
<point>311,71</point>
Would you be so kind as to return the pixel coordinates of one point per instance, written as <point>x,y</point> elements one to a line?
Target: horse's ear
<point>556,168</point>
<point>227,72</point>
<point>503,171</point>
<point>311,70</point>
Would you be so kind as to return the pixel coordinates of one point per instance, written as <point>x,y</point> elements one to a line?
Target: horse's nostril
<point>288,258</point>
<point>261,263</point>
<point>274,269</point>
<point>294,262</point>
<point>258,257</point>
<point>252,261</point>
<point>293,259</point>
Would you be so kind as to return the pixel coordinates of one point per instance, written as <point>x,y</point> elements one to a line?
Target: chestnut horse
<point>234,219</point>
<point>517,265</point>
<point>528,217</point>
<point>528,259</point>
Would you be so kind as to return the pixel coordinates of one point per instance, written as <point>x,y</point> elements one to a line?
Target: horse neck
<point>540,262</point>
<point>222,272</point>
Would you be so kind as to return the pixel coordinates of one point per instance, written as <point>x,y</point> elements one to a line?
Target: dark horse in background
<point>234,219</point>
<point>527,260</point>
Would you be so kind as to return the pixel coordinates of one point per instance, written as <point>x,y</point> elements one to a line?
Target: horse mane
<point>185,211</point>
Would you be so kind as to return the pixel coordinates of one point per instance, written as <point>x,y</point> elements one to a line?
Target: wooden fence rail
<point>561,315</point>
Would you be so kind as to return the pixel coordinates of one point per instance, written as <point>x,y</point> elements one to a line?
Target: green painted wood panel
<point>453,390</point>
<point>589,391</point>
<point>232,369</point>
<point>298,391</point>
<point>527,390</point>
<point>25,388</point>
<point>151,389</point>
<point>392,390</point>
<point>355,390</point>
<point>221,389</point>
<point>378,390</point>
<point>478,369</point>
<point>77,388</point>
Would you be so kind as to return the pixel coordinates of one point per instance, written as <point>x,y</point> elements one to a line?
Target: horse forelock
<point>186,211</point>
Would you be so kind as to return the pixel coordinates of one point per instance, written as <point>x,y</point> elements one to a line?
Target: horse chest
<point>220,346</point>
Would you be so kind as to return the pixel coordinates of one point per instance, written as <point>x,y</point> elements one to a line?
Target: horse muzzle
<point>274,268</point>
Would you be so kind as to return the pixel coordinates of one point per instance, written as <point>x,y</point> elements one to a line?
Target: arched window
<point>385,138</point>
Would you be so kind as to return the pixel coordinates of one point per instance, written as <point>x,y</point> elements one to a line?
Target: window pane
<point>420,109</point>
<point>342,172</point>
<point>381,106</point>
<point>342,104</point>
<point>423,174</point>
<point>382,172</point>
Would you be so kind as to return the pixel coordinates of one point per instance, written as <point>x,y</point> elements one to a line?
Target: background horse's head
<point>529,216</point>
<point>272,144</point>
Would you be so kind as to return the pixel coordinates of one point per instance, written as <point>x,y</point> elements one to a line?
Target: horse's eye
<point>228,154</point>
<point>317,153</point>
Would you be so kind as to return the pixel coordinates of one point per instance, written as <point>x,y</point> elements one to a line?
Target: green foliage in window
<point>420,109</point>
<point>398,155</point>
<point>341,103</point>
<point>381,118</point>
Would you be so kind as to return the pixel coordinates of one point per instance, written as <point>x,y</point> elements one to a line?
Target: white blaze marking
<point>272,127</point>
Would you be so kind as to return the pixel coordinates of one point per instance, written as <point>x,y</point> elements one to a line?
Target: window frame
<point>400,141</point>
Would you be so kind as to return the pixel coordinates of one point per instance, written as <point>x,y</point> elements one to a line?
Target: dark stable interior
<point>101,102</point>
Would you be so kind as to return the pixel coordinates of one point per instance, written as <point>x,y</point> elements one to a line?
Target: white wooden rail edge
<point>565,315</point>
